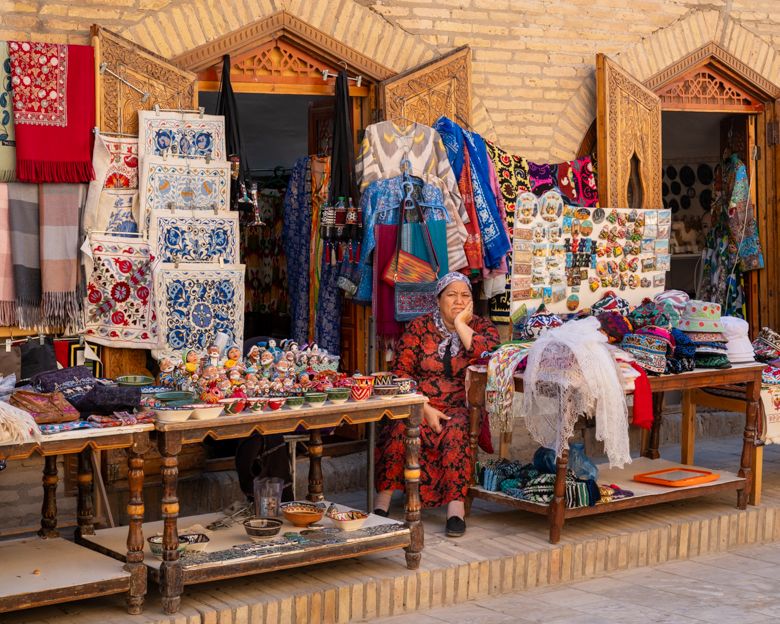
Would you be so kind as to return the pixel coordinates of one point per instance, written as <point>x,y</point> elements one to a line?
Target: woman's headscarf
<point>451,339</point>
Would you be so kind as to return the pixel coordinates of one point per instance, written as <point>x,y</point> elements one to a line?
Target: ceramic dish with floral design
<point>233,405</point>
<point>315,399</point>
<point>260,528</point>
<point>386,392</point>
<point>338,396</point>
<point>295,402</point>
<point>196,542</point>
<point>156,545</point>
<point>302,514</point>
<point>257,404</point>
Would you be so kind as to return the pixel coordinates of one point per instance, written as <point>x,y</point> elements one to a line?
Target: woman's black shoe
<point>455,526</point>
<point>380,512</point>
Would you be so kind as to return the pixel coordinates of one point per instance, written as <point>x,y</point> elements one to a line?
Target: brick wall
<point>533,70</point>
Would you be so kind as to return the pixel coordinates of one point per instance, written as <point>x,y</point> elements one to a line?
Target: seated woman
<point>435,351</point>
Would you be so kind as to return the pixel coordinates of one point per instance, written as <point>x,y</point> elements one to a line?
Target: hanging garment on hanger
<point>743,231</point>
<point>342,177</point>
<point>7,135</point>
<point>320,184</point>
<point>495,239</point>
<point>296,238</point>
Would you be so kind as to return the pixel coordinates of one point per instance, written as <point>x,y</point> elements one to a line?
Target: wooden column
<point>655,433</point>
<point>412,502</point>
<point>171,578</point>
<point>758,476</point>
<point>315,494</point>
<point>135,537</point>
<point>556,514</point>
<point>688,428</point>
<point>753,395</point>
<point>48,528</point>
<point>84,505</point>
<point>476,396</point>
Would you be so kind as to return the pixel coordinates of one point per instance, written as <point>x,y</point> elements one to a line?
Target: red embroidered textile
<point>445,458</point>
<point>54,111</point>
<point>643,399</point>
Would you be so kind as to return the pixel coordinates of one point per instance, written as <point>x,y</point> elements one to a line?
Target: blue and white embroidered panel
<point>196,301</point>
<point>117,211</point>
<point>182,184</point>
<point>195,236</point>
<point>181,134</point>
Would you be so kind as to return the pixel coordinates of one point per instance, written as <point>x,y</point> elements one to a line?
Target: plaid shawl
<point>25,252</point>
<point>60,214</point>
<point>7,292</point>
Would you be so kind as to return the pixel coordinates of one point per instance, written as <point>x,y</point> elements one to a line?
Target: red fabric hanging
<point>643,399</point>
<point>54,111</point>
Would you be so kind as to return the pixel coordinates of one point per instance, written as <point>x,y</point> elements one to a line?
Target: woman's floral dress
<point>445,459</point>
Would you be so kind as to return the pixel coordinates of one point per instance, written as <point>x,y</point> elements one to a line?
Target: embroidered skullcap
<point>684,346</point>
<point>614,325</point>
<point>677,298</point>
<point>767,345</point>
<point>448,279</point>
<point>650,313</point>
<point>609,302</point>
<point>540,321</point>
<point>657,332</point>
<point>712,361</point>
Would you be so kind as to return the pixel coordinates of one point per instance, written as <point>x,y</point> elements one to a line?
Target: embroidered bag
<point>46,409</point>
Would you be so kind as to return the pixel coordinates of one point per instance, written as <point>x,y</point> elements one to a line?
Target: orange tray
<point>677,477</point>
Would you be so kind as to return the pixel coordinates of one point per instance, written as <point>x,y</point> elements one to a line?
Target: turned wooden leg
<point>655,433</point>
<point>475,417</point>
<point>556,514</point>
<point>171,578</point>
<point>412,502</point>
<point>48,528</point>
<point>84,505</point>
<point>753,396</point>
<point>315,467</point>
<point>135,536</point>
<point>688,428</point>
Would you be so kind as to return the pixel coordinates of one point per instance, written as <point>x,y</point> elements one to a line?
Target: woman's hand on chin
<point>434,417</point>
<point>464,316</point>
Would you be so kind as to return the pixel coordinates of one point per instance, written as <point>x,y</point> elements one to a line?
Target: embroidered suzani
<point>196,301</point>
<point>120,309</point>
<point>7,134</point>
<point>39,74</point>
<point>191,237</point>
<point>118,211</point>
<point>183,185</point>
<point>122,171</point>
<point>180,134</point>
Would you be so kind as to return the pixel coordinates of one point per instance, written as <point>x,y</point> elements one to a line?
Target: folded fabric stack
<point>738,347</point>
<point>766,346</point>
<point>702,323</point>
<point>579,492</point>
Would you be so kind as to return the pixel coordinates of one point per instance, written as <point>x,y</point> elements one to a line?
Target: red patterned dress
<point>445,459</point>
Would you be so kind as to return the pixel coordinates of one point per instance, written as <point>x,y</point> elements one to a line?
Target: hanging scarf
<point>7,135</point>
<point>228,108</point>
<point>54,111</point>
<point>7,292</point>
<point>25,252</point>
<point>495,241</point>
<point>343,177</point>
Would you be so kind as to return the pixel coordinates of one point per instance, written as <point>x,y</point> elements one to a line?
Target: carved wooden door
<point>629,139</point>
<point>118,104</point>
<point>425,93</point>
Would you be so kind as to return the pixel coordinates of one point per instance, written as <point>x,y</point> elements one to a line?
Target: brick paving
<point>506,552</point>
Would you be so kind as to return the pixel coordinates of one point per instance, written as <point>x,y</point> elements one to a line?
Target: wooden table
<point>68,571</point>
<point>557,512</point>
<point>172,576</point>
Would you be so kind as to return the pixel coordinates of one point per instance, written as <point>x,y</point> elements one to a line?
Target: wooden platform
<point>65,570</point>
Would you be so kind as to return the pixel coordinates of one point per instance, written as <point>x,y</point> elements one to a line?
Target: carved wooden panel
<point>425,93</point>
<point>629,125</point>
<point>321,116</point>
<point>273,62</point>
<point>118,362</point>
<point>168,85</point>
<point>705,89</point>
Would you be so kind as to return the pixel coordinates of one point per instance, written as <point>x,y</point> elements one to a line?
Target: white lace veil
<point>571,367</point>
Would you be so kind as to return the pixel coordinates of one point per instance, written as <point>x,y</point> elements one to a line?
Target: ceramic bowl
<point>386,392</point>
<point>153,389</point>
<point>350,520</point>
<point>257,404</point>
<point>196,542</point>
<point>233,405</point>
<point>360,393</point>
<point>338,395</point>
<point>316,399</point>
<point>205,411</point>
<point>276,403</point>
<point>302,514</point>
<point>363,380</point>
<point>172,414</point>
<point>174,395</point>
<point>383,378</point>
<point>262,527</point>
<point>135,381</point>
<point>295,402</point>
<point>156,546</point>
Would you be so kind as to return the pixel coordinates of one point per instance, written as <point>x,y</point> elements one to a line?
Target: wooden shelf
<point>686,256</point>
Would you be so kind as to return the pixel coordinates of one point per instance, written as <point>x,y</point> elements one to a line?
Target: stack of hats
<point>702,324</point>
<point>683,358</point>
<point>738,348</point>
<point>649,345</point>
<point>766,346</point>
<point>674,301</point>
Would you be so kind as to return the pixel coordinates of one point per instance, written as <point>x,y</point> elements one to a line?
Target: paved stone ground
<point>739,587</point>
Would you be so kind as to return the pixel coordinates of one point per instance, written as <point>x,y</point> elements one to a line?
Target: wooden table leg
<point>753,395</point>
<point>171,577</point>
<point>412,502</point>
<point>655,433</point>
<point>556,514</point>
<point>475,416</point>
<point>315,494</point>
<point>688,428</point>
<point>84,504</point>
<point>758,470</point>
<point>135,535</point>
<point>48,528</point>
